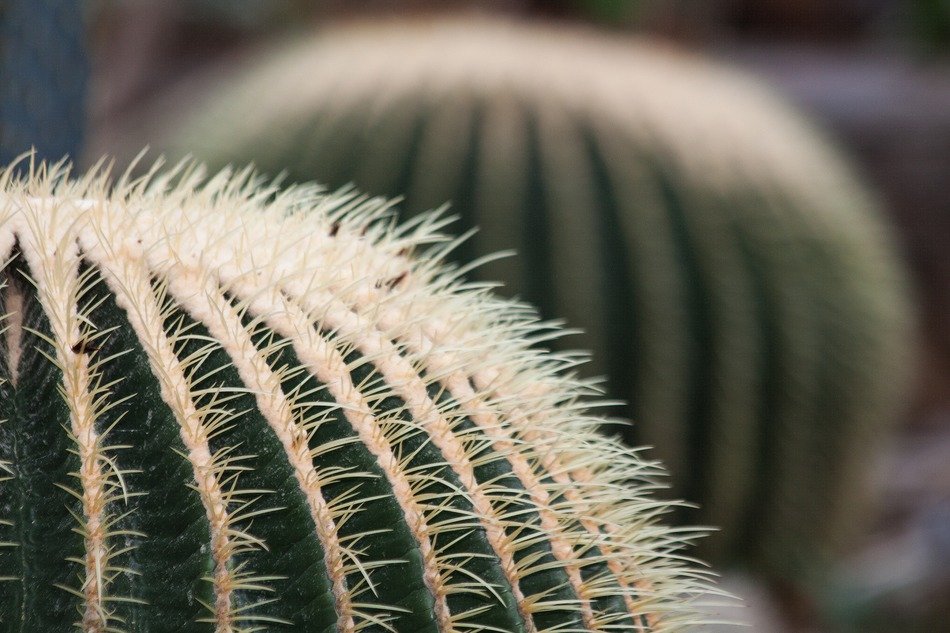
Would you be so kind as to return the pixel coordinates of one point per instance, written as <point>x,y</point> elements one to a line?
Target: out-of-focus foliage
<point>931,23</point>
<point>43,73</point>
<point>243,14</point>
<point>609,11</point>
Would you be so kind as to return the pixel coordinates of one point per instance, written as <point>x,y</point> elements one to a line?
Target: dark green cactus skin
<point>229,409</point>
<point>732,276</point>
<point>43,75</point>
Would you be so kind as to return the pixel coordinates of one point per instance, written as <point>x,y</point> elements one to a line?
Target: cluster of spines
<point>729,271</point>
<point>321,382</point>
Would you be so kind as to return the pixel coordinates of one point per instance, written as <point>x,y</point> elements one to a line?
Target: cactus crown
<point>231,408</point>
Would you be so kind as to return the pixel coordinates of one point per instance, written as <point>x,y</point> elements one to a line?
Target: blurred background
<point>873,74</point>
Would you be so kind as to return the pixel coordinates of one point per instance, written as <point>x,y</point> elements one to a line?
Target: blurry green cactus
<point>733,278</point>
<point>227,409</point>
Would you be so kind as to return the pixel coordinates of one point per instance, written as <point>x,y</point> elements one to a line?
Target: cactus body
<point>230,409</point>
<point>730,273</point>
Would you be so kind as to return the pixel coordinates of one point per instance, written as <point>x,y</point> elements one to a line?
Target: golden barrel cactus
<point>228,408</point>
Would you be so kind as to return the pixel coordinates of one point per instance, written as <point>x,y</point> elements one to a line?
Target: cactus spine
<point>227,408</point>
<point>730,273</point>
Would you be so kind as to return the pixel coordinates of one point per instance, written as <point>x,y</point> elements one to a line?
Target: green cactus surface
<point>732,276</point>
<point>230,408</point>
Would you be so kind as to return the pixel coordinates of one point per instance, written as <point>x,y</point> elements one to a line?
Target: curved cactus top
<point>332,94</point>
<point>228,408</point>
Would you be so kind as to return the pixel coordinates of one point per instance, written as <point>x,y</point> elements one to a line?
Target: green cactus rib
<point>229,408</point>
<point>730,273</point>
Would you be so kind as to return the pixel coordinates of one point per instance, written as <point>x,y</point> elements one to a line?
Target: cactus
<point>227,408</point>
<point>732,275</point>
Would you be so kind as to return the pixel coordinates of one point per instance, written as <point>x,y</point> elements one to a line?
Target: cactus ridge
<point>231,408</point>
<point>730,272</point>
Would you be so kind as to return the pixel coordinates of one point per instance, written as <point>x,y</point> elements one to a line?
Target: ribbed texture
<point>731,275</point>
<point>227,409</point>
<point>43,75</point>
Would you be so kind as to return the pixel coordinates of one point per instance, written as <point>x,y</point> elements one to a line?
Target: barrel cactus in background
<point>227,409</point>
<point>43,73</point>
<point>731,274</point>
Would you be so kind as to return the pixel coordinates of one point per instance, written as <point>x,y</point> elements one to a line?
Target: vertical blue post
<point>44,70</point>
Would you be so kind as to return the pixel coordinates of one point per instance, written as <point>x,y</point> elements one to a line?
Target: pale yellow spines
<point>517,513</point>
